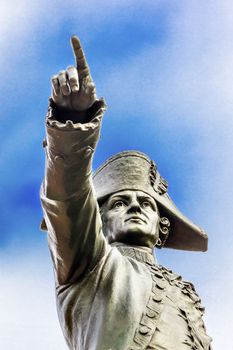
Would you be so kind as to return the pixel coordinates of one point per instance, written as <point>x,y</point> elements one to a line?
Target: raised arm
<point>70,208</point>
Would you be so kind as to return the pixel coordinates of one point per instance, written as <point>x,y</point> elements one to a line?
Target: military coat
<point>109,297</point>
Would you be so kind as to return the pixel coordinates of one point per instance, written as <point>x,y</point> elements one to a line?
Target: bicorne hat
<point>133,170</point>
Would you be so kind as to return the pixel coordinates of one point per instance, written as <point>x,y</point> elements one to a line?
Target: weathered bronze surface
<point>111,293</point>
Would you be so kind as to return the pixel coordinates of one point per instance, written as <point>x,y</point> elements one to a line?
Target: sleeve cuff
<point>71,137</point>
<point>63,116</point>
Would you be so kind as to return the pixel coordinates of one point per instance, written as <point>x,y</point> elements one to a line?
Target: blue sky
<point>165,69</point>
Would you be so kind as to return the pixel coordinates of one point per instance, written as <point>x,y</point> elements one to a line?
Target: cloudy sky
<point>165,69</point>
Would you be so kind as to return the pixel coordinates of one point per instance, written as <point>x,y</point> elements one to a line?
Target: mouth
<point>135,219</point>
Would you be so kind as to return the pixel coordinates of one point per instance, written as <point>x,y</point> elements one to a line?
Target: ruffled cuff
<point>72,136</point>
<point>63,115</point>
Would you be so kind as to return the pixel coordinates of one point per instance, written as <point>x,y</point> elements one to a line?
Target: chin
<point>135,237</point>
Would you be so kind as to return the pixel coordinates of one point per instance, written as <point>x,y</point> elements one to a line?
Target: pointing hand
<point>73,88</point>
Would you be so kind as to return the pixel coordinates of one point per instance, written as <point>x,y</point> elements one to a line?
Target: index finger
<point>81,62</point>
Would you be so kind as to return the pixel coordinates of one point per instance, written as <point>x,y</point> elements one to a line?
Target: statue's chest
<point>179,324</point>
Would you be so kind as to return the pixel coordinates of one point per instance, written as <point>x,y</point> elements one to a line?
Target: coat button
<point>158,298</point>
<point>144,330</point>
<point>160,284</point>
<point>88,151</point>
<point>154,268</point>
<point>157,274</point>
<point>58,159</point>
<point>151,313</point>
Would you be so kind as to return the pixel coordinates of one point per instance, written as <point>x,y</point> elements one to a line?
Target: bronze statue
<point>102,229</point>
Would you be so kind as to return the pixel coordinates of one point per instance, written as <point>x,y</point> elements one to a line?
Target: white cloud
<point>22,19</point>
<point>27,302</point>
<point>191,74</point>
<point>186,84</point>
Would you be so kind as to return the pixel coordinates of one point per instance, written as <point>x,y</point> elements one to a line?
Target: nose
<point>134,207</point>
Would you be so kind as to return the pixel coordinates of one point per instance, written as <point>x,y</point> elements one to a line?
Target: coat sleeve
<point>70,208</point>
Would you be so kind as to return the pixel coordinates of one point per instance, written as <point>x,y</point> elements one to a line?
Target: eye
<point>146,204</point>
<point>118,204</point>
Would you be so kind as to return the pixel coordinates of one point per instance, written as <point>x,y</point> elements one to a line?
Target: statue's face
<point>131,217</point>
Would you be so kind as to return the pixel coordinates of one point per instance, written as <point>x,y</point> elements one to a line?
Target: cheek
<point>113,222</point>
<point>155,224</point>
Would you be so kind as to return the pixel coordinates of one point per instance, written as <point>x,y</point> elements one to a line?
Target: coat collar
<point>141,254</point>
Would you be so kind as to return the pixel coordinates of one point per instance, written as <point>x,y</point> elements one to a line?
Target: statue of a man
<point>102,229</point>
